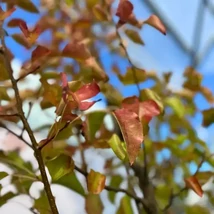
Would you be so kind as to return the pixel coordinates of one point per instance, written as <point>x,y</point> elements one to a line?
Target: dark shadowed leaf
<point>27,5</point>
<point>125,206</point>
<point>39,52</point>
<point>124,11</point>
<point>93,204</point>
<point>208,117</point>
<point>192,183</point>
<point>118,147</point>
<point>155,22</point>
<point>132,131</point>
<point>95,182</point>
<point>20,39</point>
<point>3,175</point>
<point>15,22</point>
<point>6,197</point>
<point>60,166</point>
<point>116,180</point>
<point>71,181</point>
<point>134,36</point>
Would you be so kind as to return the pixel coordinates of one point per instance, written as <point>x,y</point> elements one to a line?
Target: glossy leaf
<point>60,166</point>
<point>192,183</point>
<point>118,147</point>
<point>155,22</point>
<point>125,206</point>
<point>95,182</point>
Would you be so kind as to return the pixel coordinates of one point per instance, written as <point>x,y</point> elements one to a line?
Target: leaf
<point>176,104</point>
<point>131,128</point>
<point>95,182</point>
<point>204,177</point>
<point>20,39</point>
<point>77,51</point>
<point>129,77</point>
<point>93,204</point>
<point>134,37</point>
<point>196,209</point>
<point>39,52</point>
<point>4,73</point>
<point>116,180</point>
<point>125,206</point>
<point>192,183</point>
<point>100,13</point>
<point>148,94</point>
<point>71,181</point>
<point>3,175</point>
<point>60,166</point>
<point>94,120</point>
<point>155,22</point>
<point>124,11</point>
<point>5,14</point>
<point>15,22</point>
<point>6,197</point>
<point>208,117</point>
<point>27,5</point>
<point>118,147</point>
<point>42,205</point>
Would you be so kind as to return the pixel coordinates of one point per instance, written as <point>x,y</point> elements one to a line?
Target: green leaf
<point>93,204</point>
<point>125,206</point>
<point>118,147</point>
<point>203,177</point>
<point>176,104</point>
<point>60,166</point>
<point>116,180</point>
<point>69,2</point>
<point>129,78</point>
<point>3,93</point>
<point>94,121</point>
<point>196,209</point>
<point>134,36</point>
<point>3,175</point>
<point>95,182</point>
<point>42,205</point>
<point>148,94</point>
<point>208,117</point>
<point>6,197</point>
<point>71,181</point>
<point>162,192</point>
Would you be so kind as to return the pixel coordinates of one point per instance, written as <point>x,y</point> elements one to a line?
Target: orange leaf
<point>39,52</point>
<point>5,14</point>
<point>95,182</point>
<point>192,183</point>
<point>155,22</point>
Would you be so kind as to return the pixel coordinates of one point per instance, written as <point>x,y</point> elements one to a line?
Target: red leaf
<point>132,131</point>
<point>155,22</point>
<point>14,22</point>
<point>192,183</point>
<point>39,52</point>
<point>148,110</point>
<point>86,105</point>
<point>5,14</point>
<point>64,79</point>
<point>76,50</point>
<point>124,10</point>
<point>132,104</point>
<point>24,28</point>
<point>87,91</point>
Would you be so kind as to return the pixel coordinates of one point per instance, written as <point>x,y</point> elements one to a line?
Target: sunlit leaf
<point>95,182</point>
<point>155,22</point>
<point>192,183</point>
<point>118,147</point>
<point>177,105</point>
<point>5,14</point>
<point>60,166</point>
<point>100,13</point>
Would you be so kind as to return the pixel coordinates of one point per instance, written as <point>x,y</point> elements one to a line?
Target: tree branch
<point>27,127</point>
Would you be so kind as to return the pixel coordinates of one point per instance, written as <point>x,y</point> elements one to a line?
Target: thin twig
<point>26,74</point>
<point>113,189</point>
<point>9,115</point>
<point>37,152</point>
